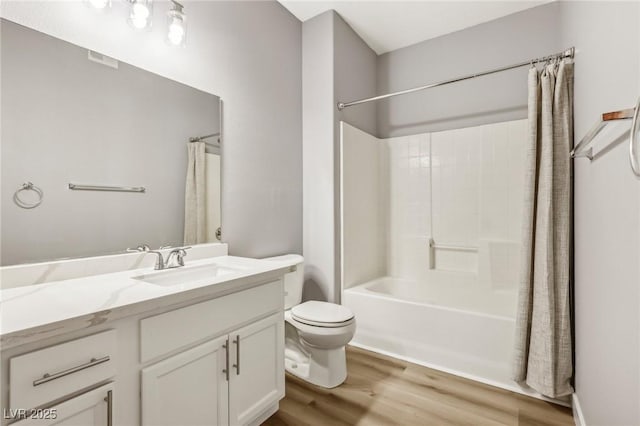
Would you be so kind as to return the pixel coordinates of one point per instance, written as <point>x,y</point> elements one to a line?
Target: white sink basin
<point>186,275</point>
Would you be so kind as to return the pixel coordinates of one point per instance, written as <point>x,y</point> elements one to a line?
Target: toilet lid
<point>321,312</point>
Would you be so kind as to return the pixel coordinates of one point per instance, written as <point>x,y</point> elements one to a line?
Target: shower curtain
<point>543,358</point>
<point>195,227</point>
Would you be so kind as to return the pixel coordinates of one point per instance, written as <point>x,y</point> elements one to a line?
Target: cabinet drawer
<point>93,408</point>
<point>47,374</point>
<point>173,330</point>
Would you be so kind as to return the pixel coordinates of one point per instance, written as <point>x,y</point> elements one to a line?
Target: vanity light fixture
<point>140,14</point>
<point>100,4</point>
<point>176,24</point>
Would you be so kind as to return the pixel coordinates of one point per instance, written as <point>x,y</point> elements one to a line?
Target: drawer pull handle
<point>109,400</point>
<point>49,377</point>
<point>237,364</point>
<point>226,355</point>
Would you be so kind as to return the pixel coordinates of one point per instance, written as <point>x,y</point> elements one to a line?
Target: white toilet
<point>316,333</point>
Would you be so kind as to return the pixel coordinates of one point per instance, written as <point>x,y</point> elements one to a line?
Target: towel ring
<point>28,186</point>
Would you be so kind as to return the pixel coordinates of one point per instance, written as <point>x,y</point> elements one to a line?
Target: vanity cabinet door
<point>189,388</point>
<point>257,369</point>
<point>93,408</point>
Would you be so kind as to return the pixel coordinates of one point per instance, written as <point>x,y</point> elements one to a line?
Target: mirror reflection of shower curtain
<point>195,227</point>
<point>212,210</point>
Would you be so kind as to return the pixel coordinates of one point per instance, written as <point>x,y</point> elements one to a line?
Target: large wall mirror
<point>99,156</point>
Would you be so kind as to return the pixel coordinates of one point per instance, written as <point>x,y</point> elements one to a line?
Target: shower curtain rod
<point>569,53</point>
<point>199,138</point>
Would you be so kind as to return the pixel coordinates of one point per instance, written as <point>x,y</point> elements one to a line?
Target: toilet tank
<point>293,281</point>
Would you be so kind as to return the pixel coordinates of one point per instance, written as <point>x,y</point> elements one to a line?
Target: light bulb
<point>99,4</point>
<point>140,16</point>
<point>138,22</point>
<point>176,25</point>
<point>139,11</point>
<point>176,32</point>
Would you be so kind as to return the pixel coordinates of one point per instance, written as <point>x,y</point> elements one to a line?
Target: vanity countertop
<point>33,312</point>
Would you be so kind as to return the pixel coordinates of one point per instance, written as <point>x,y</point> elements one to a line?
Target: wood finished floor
<point>380,390</point>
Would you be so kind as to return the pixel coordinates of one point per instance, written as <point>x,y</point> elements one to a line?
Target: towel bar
<point>76,187</point>
<point>584,148</point>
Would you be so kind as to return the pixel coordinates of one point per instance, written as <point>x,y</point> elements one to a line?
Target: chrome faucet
<point>175,258</point>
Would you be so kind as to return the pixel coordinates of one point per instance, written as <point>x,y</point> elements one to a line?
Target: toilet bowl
<point>315,344</point>
<point>316,333</point>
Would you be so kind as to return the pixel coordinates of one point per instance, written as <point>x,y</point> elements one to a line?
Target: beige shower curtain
<point>543,358</point>
<point>195,227</point>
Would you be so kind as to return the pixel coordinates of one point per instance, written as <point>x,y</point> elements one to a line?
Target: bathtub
<point>449,322</point>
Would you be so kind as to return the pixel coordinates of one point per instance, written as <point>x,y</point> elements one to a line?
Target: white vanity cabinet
<point>232,371</point>
<point>39,377</point>
<point>68,379</point>
<point>256,379</point>
<point>211,361</point>
<point>230,380</point>
<point>188,388</point>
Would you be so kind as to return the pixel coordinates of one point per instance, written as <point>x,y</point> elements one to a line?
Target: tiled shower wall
<point>461,187</point>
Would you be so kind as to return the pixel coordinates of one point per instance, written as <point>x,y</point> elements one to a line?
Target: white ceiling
<point>392,24</point>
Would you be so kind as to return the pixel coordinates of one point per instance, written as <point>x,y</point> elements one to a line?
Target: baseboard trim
<point>512,388</point>
<point>578,417</point>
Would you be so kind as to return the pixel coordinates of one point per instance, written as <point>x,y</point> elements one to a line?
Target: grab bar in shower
<point>433,245</point>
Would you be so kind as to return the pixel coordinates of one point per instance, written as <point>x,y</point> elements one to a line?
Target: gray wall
<point>494,98</point>
<point>318,157</point>
<point>248,53</point>
<point>607,214</point>
<point>337,65</point>
<point>354,69</point>
<point>67,119</point>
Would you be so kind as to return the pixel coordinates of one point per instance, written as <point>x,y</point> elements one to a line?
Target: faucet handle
<point>176,257</point>
<point>182,252</point>
<point>140,248</point>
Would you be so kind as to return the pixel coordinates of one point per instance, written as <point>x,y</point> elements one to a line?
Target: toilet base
<point>322,367</point>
